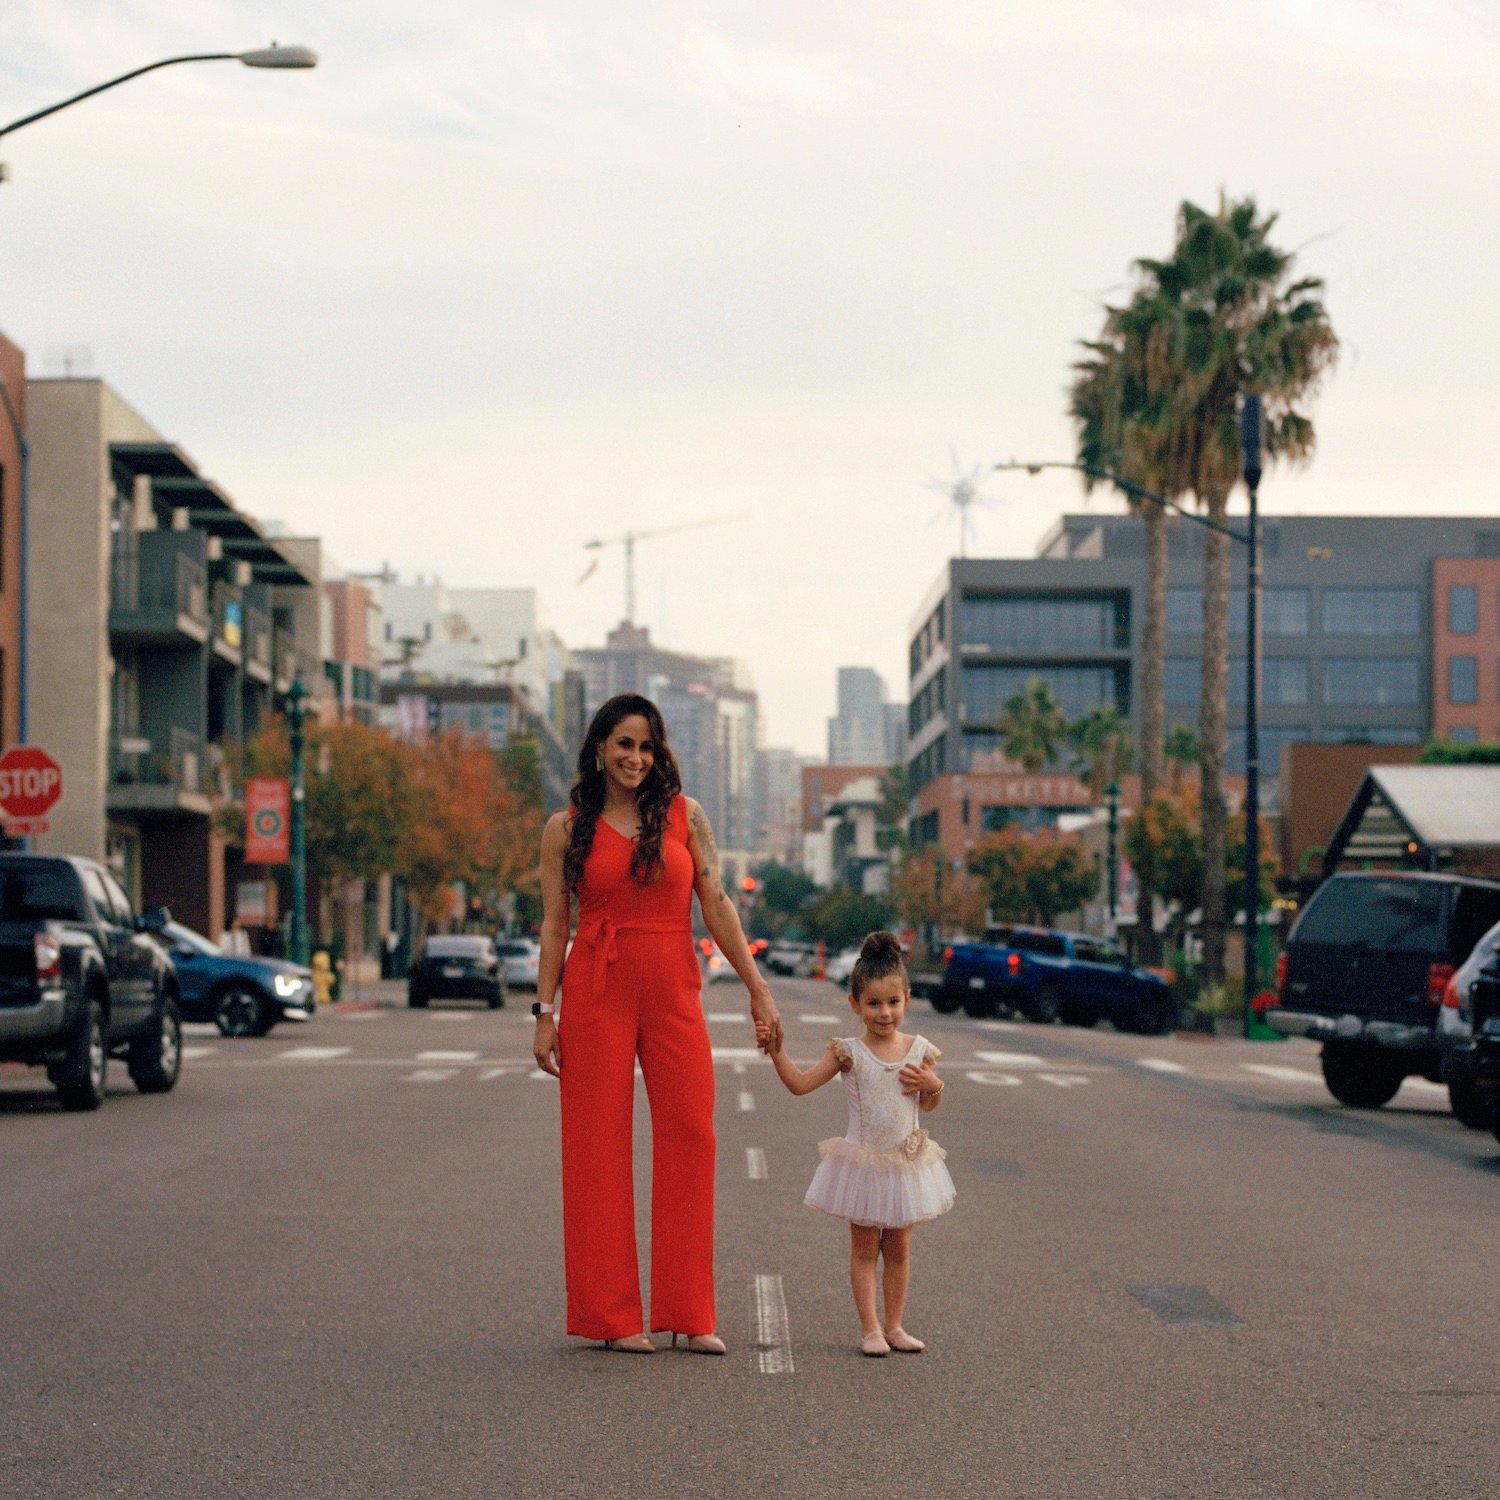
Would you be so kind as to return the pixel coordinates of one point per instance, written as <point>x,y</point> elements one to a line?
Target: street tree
<point>1033,728</point>
<point>782,894</point>
<point>1227,319</point>
<point>929,894</point>
<point>1102,747</point>
<point>1033,877</point>
<point>842,918</point>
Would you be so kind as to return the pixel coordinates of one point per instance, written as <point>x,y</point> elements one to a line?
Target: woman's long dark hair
<point>653,800</point>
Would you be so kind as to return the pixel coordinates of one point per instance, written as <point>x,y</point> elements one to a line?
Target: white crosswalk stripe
<point>755,1163</point>
<point>447,1057</point>
<point>1160,1065</point>
<point>429,1075</point>
<point>1282,1074</point>
<point>313,1054</point>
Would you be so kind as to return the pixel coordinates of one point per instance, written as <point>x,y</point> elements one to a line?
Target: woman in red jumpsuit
<point>633,849</point>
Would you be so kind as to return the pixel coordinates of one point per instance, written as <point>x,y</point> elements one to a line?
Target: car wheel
<point>1470,1104</point>
<point>80,1077</point>
<point>1153,1018</point>
<point>945,1000</point>
<point>1073,1014</point>
<point>241,1011</point>
<point>416,999</point>
<point>1046,1005</point>
<point>1360,1077</point>
<point>497,1000</point>
<point>979,1004</point>
<point>155,1060</point>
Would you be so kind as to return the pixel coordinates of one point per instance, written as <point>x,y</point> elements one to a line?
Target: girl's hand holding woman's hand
<point>767,1020</point>
<point>919,1079</point>
<point>546,1048</point>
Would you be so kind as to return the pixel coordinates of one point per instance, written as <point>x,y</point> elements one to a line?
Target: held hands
<point>546,1048</point>
<point>767,1020</point>
<point>766,1039</point>
<point>920,1079</point>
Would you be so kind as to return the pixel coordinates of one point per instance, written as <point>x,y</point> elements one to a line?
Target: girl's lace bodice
<point>882,1119</point>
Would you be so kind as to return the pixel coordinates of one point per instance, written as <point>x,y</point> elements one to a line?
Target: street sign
<point>30,784</point>
<point>268,832</point>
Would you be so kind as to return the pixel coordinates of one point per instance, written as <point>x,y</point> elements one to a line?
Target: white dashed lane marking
<point>1062,1080</point>
<point>199,1028</point>
<point>1161,1065</point>
<point>770,1328</point>
<point>1011,1059</point>
<point>727,1015</point>
<point>747,1101</point>
<point>812,1020</point>
<point>313,1054</point>
<point>1282,1074</point>
<point>429,1075</point>
<point>755,1163</point>
<point>188,1053</point>
<point>447,1057</point>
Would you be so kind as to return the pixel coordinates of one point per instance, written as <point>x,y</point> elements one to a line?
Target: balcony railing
<point>257,639</point>
<point>153,580</point>
<point>173,759</point>
<point>229,616</point>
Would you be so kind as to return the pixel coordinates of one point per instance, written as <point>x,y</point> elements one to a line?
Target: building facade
<point>1349,644</point>
<point>13,374</point>
<point>166,625</point>
<point>857,731</point>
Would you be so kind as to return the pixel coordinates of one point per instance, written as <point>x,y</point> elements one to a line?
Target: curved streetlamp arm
<point>1132,488</point>
<point>294,57</point>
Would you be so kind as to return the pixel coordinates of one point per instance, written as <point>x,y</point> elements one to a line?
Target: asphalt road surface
<point>329,1264</point>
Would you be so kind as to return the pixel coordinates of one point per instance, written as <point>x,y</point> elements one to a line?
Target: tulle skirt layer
<point>886,1189</point>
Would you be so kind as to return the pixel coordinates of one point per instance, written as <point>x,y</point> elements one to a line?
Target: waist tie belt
<point>600,932</point>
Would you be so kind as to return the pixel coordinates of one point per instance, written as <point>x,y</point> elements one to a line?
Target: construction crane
<point>630,538</point>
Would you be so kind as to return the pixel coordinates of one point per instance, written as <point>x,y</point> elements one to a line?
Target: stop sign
<point>30,782</point>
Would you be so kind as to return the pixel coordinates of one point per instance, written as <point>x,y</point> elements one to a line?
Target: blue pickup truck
<point>1050,976</point>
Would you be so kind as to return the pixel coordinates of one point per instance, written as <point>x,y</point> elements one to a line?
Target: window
<point>1395,612</point>
<point>1077,689</point>
<point>1401,916</point>
<point>1182,679</point>
<point>1010,624</point>
<point>1463,609</point>
<point>1463,734</point>
<point>1372,680</point>
<point>1365,734</point>
<point>1463,679</point>
<point>1282,612</point>
<point>39,893</point>
<point>1283,681</point>
<point>124,912</point>
<point>93,883</point>
<point>1184,611</point>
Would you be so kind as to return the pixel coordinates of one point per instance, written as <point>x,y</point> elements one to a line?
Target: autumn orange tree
<point>950,900</point>
<point>1034,877</point>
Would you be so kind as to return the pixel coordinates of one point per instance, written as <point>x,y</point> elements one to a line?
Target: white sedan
<point>841,965</point>
<point>521,957</point>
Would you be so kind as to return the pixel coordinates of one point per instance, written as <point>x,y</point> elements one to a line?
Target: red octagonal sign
<point>30,782</point>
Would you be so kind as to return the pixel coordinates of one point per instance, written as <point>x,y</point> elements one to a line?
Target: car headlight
<point>287,985</point>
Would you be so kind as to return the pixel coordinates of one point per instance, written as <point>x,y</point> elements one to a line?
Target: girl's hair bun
<point>880,956</point>
<point>881,948</point>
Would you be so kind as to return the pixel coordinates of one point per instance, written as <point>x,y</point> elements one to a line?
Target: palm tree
<point>1102,747</point>
<point>1181,752</point>
<point>1227,319</point>
<point>1033,728</point>
<point>1119,399</point>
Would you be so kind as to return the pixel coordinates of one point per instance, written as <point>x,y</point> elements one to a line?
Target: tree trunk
<point>1213,732</point>
<point>1150,753</point>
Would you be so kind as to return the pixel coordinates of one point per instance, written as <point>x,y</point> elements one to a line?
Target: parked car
<point>1365,969</point>
<point>520,960</point>
<point>787,957</point>
<point>1483,998</point>
<point>241,994</point>
<point>80,982</point>
<point>1050,976</point>
<point>716,968</point>
<point>457,966</point>
<point>841,965</point>
<point>1456,1036</point>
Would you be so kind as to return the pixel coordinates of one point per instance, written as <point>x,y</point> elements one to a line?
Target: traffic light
<point>748,884</point>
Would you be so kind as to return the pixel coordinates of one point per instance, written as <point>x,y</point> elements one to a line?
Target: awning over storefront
<point>1418,815</point>
<point>177,484</point>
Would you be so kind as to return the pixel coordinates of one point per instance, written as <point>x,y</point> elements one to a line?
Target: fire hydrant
<point>322,976</point>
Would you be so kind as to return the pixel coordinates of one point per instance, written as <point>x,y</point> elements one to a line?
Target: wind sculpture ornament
<point>964,497</point>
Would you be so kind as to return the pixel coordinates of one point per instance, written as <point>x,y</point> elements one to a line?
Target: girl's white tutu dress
<point>885,1170</point>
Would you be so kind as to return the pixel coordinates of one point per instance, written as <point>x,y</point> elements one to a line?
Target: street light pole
<point>295,713</point>
<point>1252,437</point>
<point>1112,886</point>
<point>262,57</point>
<point>22,678</point>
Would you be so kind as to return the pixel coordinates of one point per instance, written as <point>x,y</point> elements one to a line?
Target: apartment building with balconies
<point>166,625</point>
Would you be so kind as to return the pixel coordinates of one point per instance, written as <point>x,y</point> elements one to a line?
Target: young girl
<point>885,1173</point>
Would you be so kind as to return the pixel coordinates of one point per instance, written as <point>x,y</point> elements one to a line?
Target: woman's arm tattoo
<point>709,869</point>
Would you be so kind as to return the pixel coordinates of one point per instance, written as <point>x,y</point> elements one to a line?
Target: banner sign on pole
<point>268,820</point>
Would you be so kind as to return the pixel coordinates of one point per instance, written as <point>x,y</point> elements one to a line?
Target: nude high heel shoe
<point>701,1343</point>
<point>636,1343</point>
<point>902,1342</point>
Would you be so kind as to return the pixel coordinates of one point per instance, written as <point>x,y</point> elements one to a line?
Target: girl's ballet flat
<point>902,1342</point>
<point>701,1343</point>
<point>637,1343</point>
<point>874,1345</point>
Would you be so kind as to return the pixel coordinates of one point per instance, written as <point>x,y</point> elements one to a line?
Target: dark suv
<point>1364,972</point>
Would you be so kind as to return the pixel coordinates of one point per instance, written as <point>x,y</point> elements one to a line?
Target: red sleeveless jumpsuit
<point>631,989</point>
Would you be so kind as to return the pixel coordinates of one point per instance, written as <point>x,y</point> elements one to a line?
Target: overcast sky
<point>497,279</point>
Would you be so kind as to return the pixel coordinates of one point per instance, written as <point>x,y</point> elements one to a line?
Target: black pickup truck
<point>79,980</point>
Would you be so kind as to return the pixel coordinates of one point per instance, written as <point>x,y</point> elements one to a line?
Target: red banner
<point>268,820</point>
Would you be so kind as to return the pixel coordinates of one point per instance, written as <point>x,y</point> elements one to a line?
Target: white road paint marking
<point>996,1080</point>
<point>1282,1074</point>
<point>430,1075</point>
<point>755,1163</point>
<point>747,1101</point>
<point>727,1015</point>
<point>812,1020</point>
<point>199,1028</point>
<point>1011,1059</point>
<point>541,1073</point>
<point>1062,1080</point>
<point>188,1053</point>
<point>313,1054</point>
<point>447,1057</point>
<point>450,1015</point>
<point>1426,1086</point>
<point>1160,1065</point>
<point>1000,1026</point>
<point>735,1054</point>
<point>502,1072</point>
<point>770,1328</point>
<point>360,1015</point>
<point>738,1069</point>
